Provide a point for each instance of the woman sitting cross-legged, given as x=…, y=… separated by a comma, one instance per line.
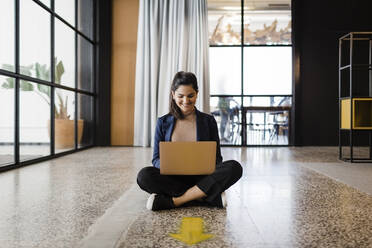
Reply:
x=185, y=123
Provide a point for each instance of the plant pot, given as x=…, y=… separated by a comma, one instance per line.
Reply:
x=64, y=133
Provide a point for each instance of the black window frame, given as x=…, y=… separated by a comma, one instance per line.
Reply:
x=242, y=45
x=18, y=76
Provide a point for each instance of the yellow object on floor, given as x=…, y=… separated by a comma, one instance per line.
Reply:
x=191, y=231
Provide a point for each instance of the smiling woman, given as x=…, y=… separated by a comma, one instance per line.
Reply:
x=184, y=123
x=183, y=95
x=185, y=98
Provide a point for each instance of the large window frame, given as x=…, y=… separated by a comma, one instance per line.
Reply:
x=242, y=96
x=52, y=83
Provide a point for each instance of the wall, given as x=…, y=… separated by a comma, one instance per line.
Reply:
x=317, y=27
x=124, y=41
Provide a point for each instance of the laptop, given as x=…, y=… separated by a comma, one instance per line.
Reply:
x=187, y=158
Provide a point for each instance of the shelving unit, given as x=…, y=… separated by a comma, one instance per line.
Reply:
x=355, y=96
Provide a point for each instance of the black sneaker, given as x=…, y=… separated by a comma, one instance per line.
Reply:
x=159, y=202
x=219, y=201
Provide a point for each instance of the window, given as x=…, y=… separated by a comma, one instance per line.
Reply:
x=34, y=121
x=226, y=77
x=267, y=70
x=47, y=96
x=7, y=121
x=64, y=54
x=251, y=71
x=35, y=47
x=7, y=46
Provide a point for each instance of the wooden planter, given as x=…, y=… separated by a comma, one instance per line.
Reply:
x=64, y=133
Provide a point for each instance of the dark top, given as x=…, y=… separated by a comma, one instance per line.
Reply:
x=206, y=130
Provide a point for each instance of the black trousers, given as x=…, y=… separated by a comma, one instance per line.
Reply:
x=226, y=174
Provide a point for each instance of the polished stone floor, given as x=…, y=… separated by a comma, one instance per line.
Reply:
x=287, y=197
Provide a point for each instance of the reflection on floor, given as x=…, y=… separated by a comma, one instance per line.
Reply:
x=287, y=197
x=27, y=152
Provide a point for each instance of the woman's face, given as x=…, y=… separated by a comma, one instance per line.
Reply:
x=185, y=98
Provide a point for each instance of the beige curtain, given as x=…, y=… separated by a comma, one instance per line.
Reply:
x=172, y=37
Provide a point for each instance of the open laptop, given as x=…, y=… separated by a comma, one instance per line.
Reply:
x=187, y=158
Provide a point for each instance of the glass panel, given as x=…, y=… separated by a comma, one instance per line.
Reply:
x=85, y=121
x=267, y=70
x=267, y=120
x=7, y=30
x=46, y=2
x=361, y=50
x=345, y=52
x=225, y=70
x=7, y=111
x=85, y=62
x=66, y=10
x=34, y=40
x=64, y=120
x=34, y=120
x=267, y=23
x=86, y=17
x=267, y=101
x=224, y=22
x=267, y=127
x=65, y=54
x=226, y=111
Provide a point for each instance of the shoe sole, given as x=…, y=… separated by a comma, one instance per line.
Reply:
x=150, y=201
x=223, y=198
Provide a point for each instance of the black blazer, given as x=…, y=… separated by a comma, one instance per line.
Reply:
x=206, y=130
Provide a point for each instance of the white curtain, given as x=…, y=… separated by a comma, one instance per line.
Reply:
x=172, y=37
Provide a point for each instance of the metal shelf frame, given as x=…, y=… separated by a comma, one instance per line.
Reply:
x=350, y=41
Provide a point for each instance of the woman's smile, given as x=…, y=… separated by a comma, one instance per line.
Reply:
x=185, y=98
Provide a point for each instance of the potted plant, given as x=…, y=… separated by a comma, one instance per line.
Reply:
x=64, y=138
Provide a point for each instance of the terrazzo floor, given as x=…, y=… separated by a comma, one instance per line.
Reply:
x=287, y=197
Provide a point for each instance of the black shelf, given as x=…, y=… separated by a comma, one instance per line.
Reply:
x=355, y=109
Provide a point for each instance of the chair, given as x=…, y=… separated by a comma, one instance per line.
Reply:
x=280, y=125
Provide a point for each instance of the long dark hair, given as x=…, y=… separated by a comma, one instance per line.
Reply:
x=181, y=78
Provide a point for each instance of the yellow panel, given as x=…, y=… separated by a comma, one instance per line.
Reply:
x=345, y=114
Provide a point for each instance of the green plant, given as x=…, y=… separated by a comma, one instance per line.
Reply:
x=42, y=72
